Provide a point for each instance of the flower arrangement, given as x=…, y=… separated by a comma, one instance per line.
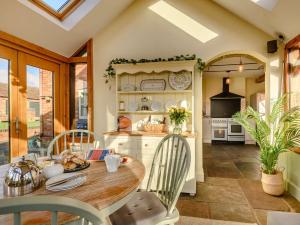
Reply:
x=178, y=115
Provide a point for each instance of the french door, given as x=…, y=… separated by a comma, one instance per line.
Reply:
x=30, y=99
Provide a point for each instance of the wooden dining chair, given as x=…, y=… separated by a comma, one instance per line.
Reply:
x=87, y=214
x=75, y=140
x=168, y=173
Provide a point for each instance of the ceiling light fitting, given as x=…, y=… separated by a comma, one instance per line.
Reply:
x=241, y=66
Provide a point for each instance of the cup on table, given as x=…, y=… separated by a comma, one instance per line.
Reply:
x=112, y=163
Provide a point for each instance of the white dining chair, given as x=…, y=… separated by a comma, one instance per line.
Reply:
x=84, y=213
x=156, y=205
x=75, y=140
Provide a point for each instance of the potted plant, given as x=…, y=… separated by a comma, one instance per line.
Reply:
x=275, y=133
x=178, y=115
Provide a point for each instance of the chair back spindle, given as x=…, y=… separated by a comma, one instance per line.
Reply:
x=62, y=140
x=169, y=169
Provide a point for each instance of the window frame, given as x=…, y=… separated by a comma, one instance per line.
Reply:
x=80, y=99
x=66, y=10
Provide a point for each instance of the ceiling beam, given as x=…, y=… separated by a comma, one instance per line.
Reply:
x=260, y=79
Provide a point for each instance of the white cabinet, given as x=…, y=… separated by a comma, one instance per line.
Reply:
x=143, y=148
x=206, y=129
x=248, y=138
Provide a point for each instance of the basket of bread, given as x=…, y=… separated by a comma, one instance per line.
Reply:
x=73, y=161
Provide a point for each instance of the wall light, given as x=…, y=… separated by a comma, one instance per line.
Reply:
x=182, y=21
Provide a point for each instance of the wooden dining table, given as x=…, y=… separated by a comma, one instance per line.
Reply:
x=106, y=191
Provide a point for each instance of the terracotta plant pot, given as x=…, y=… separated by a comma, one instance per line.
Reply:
x=273, y=183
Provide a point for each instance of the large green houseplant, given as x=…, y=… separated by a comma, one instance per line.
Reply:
x=275, y=133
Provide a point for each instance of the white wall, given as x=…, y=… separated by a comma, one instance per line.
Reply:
x=140, y=33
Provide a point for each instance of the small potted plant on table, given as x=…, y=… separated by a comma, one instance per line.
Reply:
x=275, y=133
x=178, y=115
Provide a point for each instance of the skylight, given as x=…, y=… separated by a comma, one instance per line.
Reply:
x=182, y=21
x=57, y=8
x=57, y=5
x=266, y=4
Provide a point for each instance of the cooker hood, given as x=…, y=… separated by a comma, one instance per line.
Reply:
x=226, y=94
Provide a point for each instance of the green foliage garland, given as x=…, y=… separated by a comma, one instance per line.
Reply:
x=110, y=71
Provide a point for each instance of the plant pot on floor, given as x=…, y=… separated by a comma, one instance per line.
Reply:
x=273, y=184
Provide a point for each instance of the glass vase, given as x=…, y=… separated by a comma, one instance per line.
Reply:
x=177, y=129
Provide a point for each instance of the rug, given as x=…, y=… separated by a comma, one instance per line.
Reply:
x=185, y=220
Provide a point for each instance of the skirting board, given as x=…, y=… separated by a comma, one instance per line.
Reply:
x=200, y=175
x=293, y=189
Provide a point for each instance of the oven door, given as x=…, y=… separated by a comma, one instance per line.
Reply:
x=235, y=129
x=219, y=134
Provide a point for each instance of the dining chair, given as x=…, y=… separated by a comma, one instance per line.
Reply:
x=168, y=173
x=87, y=214
x=81, y=140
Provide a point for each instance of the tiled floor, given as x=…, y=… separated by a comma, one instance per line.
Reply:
x=232, y=189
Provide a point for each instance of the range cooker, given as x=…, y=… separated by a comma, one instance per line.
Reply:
x=226, y=130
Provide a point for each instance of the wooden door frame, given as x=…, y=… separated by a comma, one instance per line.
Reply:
x=12, y=56
x=25, y=59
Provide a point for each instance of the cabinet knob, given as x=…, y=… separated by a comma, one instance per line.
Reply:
x=120, y=144
x=146, y=145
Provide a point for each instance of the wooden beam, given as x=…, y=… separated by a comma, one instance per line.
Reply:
x=260, y=79
x=78, y=59
x=19, y=44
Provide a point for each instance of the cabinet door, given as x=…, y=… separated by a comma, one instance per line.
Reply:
x=146, y=148
x=190, y=184
x=206, y=131
x=123, y=145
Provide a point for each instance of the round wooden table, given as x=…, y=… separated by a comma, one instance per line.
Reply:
x=105, y=191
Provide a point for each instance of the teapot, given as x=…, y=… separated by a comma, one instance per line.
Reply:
x=22, y=177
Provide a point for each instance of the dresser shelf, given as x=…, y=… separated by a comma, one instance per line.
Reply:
x=155, y=92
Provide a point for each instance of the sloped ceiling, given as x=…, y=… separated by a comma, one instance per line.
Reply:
x=19, y=20
x=283, y=18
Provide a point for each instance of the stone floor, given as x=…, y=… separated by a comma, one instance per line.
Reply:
x=232, y=189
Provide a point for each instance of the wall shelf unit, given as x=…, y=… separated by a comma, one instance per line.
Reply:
x=143, y=146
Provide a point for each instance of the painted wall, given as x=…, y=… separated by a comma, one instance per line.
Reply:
x=140, y=33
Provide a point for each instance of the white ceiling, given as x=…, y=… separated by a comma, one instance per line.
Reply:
x=220, y=68
x=283, y=18
x=19, y=20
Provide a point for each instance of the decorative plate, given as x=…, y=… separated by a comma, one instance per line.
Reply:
x=170, y=103
x=78, y=168
x=156, y=106
x=180, y=80
x=123, y=122
x=153, y=85
x=128, y=87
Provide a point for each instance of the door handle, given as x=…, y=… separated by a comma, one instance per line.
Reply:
x=17, y=125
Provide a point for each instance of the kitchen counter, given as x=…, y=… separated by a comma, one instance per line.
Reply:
x=143, y=133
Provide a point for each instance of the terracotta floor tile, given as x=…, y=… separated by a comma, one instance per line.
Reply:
x=193, y=208
x=231, y=212
x=261, y=216
x=260, y=200
x=229, y=182
x=220, y=194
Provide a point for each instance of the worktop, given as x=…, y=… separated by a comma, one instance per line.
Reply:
x=149, y=134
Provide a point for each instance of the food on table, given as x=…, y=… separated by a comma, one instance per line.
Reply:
x=71, y=160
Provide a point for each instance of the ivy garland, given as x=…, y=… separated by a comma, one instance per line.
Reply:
x=110, y=71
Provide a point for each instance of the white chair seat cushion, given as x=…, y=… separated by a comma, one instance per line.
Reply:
x=143, y=209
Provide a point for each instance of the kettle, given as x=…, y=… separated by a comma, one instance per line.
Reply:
x=22, y=177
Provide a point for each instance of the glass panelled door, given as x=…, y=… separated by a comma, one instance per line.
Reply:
x=37, y=116
x=8, y=82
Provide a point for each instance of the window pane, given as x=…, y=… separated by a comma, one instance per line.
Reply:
x=56, y=5
x=39, y=109
x=4, y=111
x=79, y=96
